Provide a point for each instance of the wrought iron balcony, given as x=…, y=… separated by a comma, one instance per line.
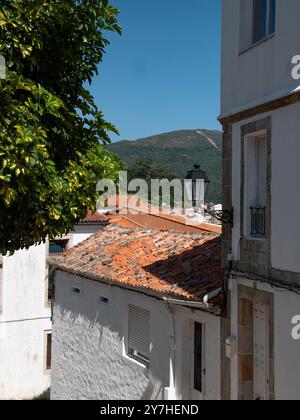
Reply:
x=258, y=221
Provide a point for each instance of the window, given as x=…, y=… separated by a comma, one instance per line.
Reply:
x=198, y=358
x=256, y=184
x=76, y=290
x=260, y=175
x=48, y=351
x=50, y=287
x=139, y=334
x=264, y=19
x=104, y=300
x=58, y=246
x=258, y=209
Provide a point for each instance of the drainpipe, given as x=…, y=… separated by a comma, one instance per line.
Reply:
x=204, y=305
x=170, y=392
x=211, y=295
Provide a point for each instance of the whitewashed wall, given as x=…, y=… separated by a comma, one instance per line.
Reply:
x=89, y=358
x=251, y=77
x=264, y=71
x=83, y=232
x=23, y=321
x=25, y=317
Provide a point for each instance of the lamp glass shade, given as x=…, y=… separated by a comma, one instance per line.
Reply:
x=195, y=177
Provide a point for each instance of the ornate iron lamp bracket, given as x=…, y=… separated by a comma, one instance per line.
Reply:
x=224, y=216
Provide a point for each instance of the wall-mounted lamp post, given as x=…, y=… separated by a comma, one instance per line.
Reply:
x=194, y=179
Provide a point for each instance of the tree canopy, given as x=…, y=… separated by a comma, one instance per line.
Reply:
x=148, y=170
x=52, y=134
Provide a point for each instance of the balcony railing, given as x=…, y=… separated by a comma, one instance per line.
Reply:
x=258, y=221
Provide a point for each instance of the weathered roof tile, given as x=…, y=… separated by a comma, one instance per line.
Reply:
x=183, y=265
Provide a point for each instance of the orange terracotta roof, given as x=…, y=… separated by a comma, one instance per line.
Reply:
x=94, y=217
x=127, y=203
x=190, y=222
x=207, y=227
x=123, y=221
x=180, y=265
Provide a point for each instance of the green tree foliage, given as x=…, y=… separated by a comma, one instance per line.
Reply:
x=52, y=134
x=148, y=170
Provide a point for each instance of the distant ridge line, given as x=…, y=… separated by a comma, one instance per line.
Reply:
x=178, y=151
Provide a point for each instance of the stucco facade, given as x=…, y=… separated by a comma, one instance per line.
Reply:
x=260, y=103
x=257, y=74
x=82, y=232
x=25, y=318
x=90, y=358
x=23, y=321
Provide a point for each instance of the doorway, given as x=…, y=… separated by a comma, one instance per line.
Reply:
x=261, y=351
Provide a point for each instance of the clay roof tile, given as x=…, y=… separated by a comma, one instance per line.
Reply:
x=171, y=263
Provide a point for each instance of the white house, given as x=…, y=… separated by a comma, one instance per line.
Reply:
x=261, y=252
x=136, y=316
x=25, y=315
x=24, y=325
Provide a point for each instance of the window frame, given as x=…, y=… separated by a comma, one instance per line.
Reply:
x=131, y=353
x=251, y=183
x=138, y=357
x=257, y=39
x=194, y=391
x=198, y=327
x=47, y=370
x=49, y=286
x=59, y=242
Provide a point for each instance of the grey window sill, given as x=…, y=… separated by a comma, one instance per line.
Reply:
x=252, y=46
x=256, y=238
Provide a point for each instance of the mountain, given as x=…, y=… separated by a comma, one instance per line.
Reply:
x=179, y=151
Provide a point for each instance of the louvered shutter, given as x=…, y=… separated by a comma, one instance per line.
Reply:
x=49, y=351
x=139, y=331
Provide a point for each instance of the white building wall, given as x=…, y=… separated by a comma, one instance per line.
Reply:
x=251, y=77
x=23, y=321
x=22, y=359
x=83, y=232
x=285, y=189
x=25, y=316
x=89, y=345
x=286, y=349
x=24, y=284
x=261, y=72
x=285, y=250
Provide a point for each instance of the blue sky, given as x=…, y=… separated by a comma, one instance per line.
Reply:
x=163, y=73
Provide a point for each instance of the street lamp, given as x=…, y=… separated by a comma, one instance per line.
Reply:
x=194, y=179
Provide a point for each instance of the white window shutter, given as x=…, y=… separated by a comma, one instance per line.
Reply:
x=261, y=175
x=139, y=331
